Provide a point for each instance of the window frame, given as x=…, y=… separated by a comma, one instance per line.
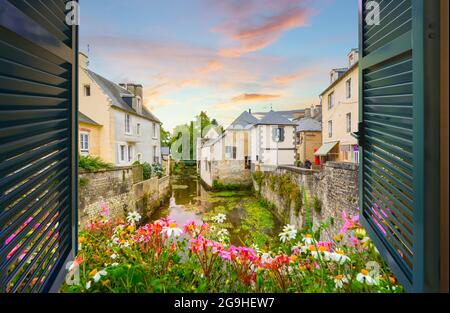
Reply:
x=330, y=129
x=128, y=124
x=348, y=88
x=87, y=90
x=83, y=150
x=348, y=123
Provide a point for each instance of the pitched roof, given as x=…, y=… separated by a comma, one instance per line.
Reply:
x=287, y=114
x=85, y=119
x=274, y=118
x=309, y=124
x=116, y=92
x=244, y=122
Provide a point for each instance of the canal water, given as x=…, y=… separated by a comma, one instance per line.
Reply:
x=249, y=221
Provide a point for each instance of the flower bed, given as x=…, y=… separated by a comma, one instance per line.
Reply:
x=118, y=256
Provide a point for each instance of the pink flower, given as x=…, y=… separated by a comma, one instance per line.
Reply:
x=105, y=209
x=349, y=223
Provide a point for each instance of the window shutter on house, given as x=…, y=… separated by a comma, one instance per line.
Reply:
x=282, y=134
x=398, y=191
x=38, y=145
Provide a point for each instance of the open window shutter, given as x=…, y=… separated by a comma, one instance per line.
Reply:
x=282, y=134
x=38, y=145
x=398, y=165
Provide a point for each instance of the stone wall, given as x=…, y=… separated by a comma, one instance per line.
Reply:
x=119, y=189
x=335, y=188
x=231, y=172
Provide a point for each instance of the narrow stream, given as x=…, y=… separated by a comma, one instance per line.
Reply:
x=248, y=220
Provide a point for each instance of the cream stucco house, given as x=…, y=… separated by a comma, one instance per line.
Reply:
x=340, y=114
x=225, y=158
x=114, y=124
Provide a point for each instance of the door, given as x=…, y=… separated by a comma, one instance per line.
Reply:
x=399, y=136
x=38, y=144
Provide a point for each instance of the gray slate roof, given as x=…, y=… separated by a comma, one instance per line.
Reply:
x=244, y=122
x=85, y=119
x=115, y=92
x=275, y=118
x=309, y=124
x=287, y=114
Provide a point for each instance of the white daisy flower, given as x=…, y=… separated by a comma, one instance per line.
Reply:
x=219, y=218
x=365, y=278
x=308, y=240
x=114, y=256
x=114, y=264
x=133, y=217
x=172, y=230
x=339, y=257
x=340, y=281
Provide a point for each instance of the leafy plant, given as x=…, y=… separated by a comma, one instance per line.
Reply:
x=157, y=170
x=147, y=170
x=83, y=182
x=93, y=164
x=317, y=204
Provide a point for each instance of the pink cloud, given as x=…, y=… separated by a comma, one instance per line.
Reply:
x=253, y=25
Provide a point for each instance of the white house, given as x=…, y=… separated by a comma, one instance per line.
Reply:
x=273, y=142
x=125, y=131
x=248, y=143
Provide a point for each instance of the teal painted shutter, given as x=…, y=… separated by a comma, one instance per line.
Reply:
x=398, y=165
x=38, y=144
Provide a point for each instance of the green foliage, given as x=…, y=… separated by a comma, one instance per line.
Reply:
x=157, y=170
x=165, y=138
x=93, y=164
x=219, y=186
x=147, y=170
x=317, y=204
x=258, y=176
x=299, y=163
x=83, y=182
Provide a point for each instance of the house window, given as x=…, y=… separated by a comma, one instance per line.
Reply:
x=138, y=129
x=231, y=152
x=155, y=157
x=84, y=143
x=348, y=85
x=87, y=90
x=130, y=154
x=278, y=135
x=122, y=153
x=349, y=122
x=154, y=131
x=331, y=100
x=330, y=129
x=127, y=124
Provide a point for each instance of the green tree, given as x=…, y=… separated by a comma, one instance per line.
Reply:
x=165, y=138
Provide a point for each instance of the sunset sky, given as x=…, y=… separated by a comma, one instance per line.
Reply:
x=219, y=56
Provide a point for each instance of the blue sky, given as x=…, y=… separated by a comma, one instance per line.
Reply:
x=219, y=56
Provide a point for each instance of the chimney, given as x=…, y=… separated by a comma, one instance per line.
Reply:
x=308, y=112
x=83, y=60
